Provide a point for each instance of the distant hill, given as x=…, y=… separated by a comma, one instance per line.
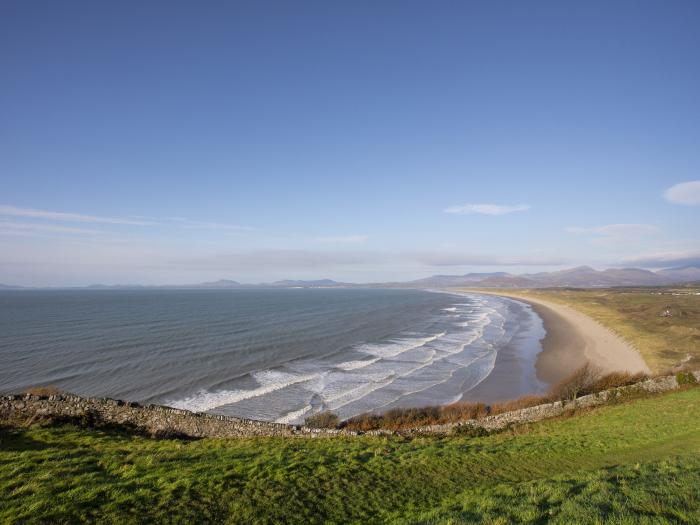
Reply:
x=288, y=283
x=578, y=277
x=10, y=287
x=682, y=274
x=457, y=280
x=221, y=283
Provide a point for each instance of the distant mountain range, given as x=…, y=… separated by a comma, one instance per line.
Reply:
x=221, y=284
x=10, y=287
x=579, y=277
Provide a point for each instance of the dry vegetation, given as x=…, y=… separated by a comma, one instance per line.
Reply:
x=322, y=420
x=48, y=390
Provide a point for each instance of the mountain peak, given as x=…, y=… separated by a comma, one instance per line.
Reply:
x=582, y=268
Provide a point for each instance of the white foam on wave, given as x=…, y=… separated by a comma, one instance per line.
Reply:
x=294, y=415
x=355, y=365
x=358, y=391
x=269, y=381
x=397, y=347
x=452, y=343
x=397, y=367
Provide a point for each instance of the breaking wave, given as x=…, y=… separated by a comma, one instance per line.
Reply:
x=458, y=353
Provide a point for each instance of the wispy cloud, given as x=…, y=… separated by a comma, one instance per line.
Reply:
x=615, y=232
x=431, y=258
x=14, y=211
x=21, y=228
x=486, y=209
x=665, y=259
x=189, y=223
x=687, y=193
x=341, y=239
x=280, y=259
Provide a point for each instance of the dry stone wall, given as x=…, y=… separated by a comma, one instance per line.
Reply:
x=165, y=421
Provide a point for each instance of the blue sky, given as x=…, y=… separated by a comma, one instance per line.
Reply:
x=177, y=142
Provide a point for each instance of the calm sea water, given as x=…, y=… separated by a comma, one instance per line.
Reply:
x=276, y=355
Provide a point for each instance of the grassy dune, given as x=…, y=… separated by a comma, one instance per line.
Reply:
x=628, y=463
x=636, y=314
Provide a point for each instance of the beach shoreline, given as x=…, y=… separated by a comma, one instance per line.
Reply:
x=514, y=374
x=572, y=339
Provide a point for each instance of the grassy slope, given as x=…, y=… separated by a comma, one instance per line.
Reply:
x=629, y=463
x=635, y=315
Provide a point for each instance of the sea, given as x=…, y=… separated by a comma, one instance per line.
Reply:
x=267, y=354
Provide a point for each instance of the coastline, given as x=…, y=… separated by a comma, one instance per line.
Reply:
x=572, y=339
x=514, y=374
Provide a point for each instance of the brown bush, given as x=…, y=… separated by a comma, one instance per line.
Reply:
x=48, y=390
x=409, y=417
x=322, y=420
x=399, y=418
x=577, y=384
x=616, y=379
x=363, y=422
x=462, y=411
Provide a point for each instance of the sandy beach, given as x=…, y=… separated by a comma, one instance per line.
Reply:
x=573, y=338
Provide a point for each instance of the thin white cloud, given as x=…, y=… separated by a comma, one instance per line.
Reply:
x=687, y=193
x=436, y=258
x=21, y=228
x=279, y=259
x=342, y=239
x=486, y=209
x=616, y=230
x=14, y=211
x=665, y=259
x=189, y=223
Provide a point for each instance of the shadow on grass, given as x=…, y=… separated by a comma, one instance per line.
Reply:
x=16, y=440
x=93, y=421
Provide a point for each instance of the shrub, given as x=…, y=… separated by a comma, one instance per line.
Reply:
x=686, y=378
x=48, y=390
x=322, y=420
x=579, y=383
x=398, y=418
x=363, y=422
x=463, y=411
x=616, y=379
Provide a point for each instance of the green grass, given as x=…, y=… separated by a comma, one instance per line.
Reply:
x=635, y=314
x=637, y=462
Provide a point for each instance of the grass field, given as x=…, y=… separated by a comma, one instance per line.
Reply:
x=628, y=463
x=637, y=315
